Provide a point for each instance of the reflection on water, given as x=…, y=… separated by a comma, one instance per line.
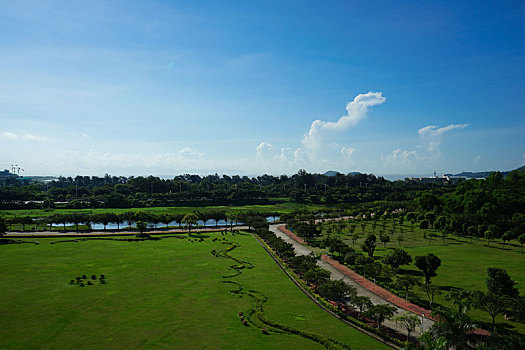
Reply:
x=208, y=223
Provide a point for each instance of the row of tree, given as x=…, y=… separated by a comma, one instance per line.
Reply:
x=129, y=218
x=193, y=190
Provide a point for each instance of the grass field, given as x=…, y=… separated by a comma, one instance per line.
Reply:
x=280, y=208
x=159, y=294
x=463, y=264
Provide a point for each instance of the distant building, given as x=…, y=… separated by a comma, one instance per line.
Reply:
x=5, y=174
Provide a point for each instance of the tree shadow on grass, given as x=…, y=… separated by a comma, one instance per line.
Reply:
x=199, y=236
x=414, y=273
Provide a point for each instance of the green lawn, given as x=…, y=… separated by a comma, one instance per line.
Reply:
x=463, y=264
x=281, y=208
x=159, y=294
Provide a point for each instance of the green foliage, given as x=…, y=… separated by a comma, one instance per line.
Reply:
x=380, y=313
x=369, y=245
x=405, y=283
x=455, y=327
x=396, y=258
x=428, y=265
x=337, y=290
x=409, y=321
x=3, y=226
x=499, y=282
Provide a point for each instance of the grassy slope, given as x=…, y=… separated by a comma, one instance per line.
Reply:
x=159, y=294
x=463, y=264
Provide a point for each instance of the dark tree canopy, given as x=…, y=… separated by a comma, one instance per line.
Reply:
x=428, y=265
x=499, y=282
x=396, y=258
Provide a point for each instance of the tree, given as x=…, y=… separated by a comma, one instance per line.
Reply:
x=190, y=219
x=521, y=239
x=396, y=258
x=384, y=239
x=369, y=245
x=431, y=291
x=491, y=303
x=460, y=297
x=380, y=313
x=25, y=220
x=405, y=283
x=129, y=217
x=428, y=265
x=104, y=219
x=166, y=219
x=489, y=235
x=141, y=226
x=506, y=237
x=362, y=303
x=409, y=321
x=499, y=283
x=337, y=291
x=3, y=226
x=317, y=276
x=355, y=237
x=455, y=327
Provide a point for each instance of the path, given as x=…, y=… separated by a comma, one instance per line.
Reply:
x=336, y=274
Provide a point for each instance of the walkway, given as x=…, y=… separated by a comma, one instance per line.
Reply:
x=336, y=274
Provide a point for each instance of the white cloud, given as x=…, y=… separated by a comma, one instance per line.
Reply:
x=189, y=153
x=25, y=137
x=356, y=111
x=267, y=152
x=431, y=138
x=185, y=158
x=347, y=152
x=431, y=135
x=476, y=158
x=400, y=158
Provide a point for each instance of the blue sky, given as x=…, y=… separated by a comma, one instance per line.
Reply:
x=252, y=87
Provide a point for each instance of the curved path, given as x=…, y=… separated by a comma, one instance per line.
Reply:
x=336, y=274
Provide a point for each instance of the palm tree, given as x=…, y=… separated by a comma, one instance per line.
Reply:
x=453, y=326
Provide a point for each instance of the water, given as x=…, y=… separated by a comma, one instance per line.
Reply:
x=208, y=223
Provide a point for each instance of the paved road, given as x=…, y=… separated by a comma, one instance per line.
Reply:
x=338, y=275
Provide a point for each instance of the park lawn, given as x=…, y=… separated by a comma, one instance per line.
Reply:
x=280, y=208
x=159, y=294
x=463, y=264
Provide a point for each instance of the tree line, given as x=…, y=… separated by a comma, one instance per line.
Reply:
x=194, y=190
